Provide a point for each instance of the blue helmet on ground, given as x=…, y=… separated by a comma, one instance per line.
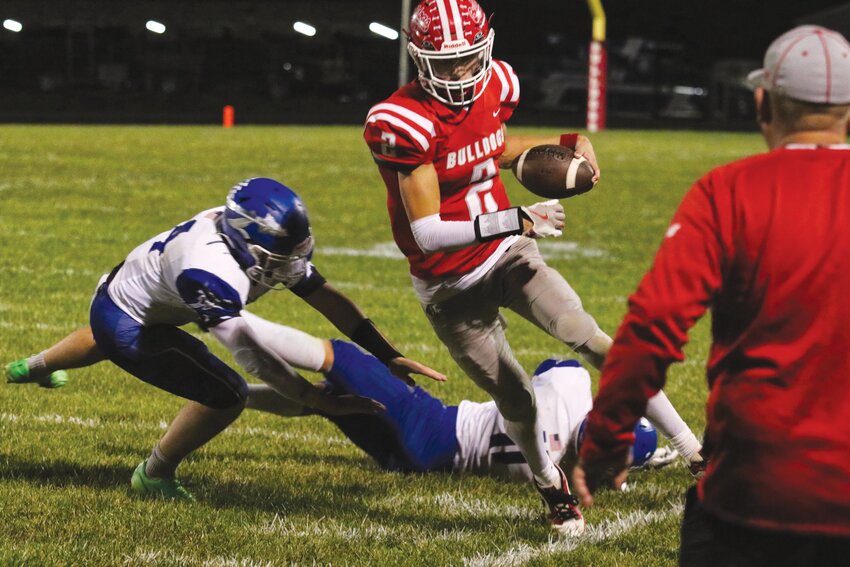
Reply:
x=267, y=227
x=646, y=441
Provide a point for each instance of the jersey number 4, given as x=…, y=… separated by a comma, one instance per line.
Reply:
x=159, y=246
x=479, y=197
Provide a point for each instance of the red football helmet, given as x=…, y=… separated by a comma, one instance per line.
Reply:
x=452, y=45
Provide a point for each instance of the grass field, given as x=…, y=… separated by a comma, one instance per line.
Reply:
x=274, y=491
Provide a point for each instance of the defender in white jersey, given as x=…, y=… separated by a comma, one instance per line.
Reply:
x=206, y=270
x=417, y=432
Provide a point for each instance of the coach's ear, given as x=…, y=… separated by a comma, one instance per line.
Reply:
x=764, y=112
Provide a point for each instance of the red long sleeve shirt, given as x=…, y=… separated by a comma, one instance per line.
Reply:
x=764, y=243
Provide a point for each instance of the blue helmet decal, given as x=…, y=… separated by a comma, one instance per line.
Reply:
x=551, y=363
x=268, y=229
x=646, y=440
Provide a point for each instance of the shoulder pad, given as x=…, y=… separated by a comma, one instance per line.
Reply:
x=212, y=298
x=508, y=82
x=398, y=135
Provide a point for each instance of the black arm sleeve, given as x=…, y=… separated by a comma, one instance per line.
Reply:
x=312, y=281
x=369, y=337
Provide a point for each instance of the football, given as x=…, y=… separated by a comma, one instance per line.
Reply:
x=553, y=172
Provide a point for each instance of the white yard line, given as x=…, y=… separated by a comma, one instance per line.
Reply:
x=459, y=506
x=381, y=250
x=158, y=557
x=52, y=418
x=71, y=272
x=162, y=424
x=555, y=250
x=38, y=326
x=567, y=250
x=605, y=530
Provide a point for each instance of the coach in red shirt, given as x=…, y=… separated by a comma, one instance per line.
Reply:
x=764, y=243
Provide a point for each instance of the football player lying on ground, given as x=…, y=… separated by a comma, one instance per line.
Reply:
x=206, y=270
x=418, y=432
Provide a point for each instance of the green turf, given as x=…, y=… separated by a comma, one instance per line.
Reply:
x=273, y=491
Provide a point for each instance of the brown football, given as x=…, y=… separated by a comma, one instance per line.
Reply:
x=553, y=172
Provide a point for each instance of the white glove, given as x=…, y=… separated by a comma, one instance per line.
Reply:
x=548, y=218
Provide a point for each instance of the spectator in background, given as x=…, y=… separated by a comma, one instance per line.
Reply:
x=765, y=243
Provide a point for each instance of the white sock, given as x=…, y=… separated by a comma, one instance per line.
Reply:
x=37, y=367
x=159, y=466
x=528, y=438
x=688, y=445
x=667, y=420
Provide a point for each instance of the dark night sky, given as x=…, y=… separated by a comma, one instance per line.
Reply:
x=709, y=29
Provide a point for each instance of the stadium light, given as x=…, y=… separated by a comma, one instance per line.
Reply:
x=689, y=91
x=13, y=25
x=305, y=29
x=383, y=30
x=155, y=27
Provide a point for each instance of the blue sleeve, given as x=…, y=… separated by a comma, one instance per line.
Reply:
x=212, y=298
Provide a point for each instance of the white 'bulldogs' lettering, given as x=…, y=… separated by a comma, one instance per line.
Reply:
x=479, y=149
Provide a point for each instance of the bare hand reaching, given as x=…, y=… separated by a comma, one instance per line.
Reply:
x=403, y=367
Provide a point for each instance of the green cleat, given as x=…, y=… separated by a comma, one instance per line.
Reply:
x=161, y=488
x=18, y=372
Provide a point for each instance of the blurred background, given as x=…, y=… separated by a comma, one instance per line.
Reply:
x=671, y=63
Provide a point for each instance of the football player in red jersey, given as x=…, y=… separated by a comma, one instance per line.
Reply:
x=439, y=143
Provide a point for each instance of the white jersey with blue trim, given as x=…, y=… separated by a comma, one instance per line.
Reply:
x=564, y=398
x=146, y=286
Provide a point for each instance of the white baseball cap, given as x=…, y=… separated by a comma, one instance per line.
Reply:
x=808, y=63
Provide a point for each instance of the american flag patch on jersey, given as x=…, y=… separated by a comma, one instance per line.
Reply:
x=555, y=443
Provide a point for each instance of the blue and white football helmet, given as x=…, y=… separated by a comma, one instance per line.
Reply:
x=646, y=441
x=267, y=227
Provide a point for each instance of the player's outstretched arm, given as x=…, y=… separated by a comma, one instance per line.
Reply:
x=348, y=318
x=248, y=350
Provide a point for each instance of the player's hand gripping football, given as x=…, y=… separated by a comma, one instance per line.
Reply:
x=546, y=219
x=402, y=368
x=585, y=149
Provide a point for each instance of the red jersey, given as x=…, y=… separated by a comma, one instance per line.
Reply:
x=765, y=243
x=412, y=128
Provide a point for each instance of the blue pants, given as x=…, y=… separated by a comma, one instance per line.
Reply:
x=415, y=434
x=164, y=356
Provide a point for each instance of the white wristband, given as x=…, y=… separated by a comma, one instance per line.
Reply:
x=490, y=226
